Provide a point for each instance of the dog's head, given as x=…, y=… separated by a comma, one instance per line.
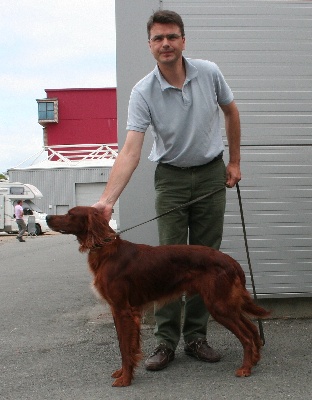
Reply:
x=87, y=223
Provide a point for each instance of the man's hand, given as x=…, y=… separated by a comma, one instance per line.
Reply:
x=233, y=174
x=105, y=208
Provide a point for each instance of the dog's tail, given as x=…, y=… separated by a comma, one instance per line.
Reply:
x=252, y=309
x=249, y=306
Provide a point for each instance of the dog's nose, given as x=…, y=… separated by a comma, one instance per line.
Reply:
x=48, y=217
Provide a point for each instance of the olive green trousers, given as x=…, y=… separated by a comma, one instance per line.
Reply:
x=200, y=223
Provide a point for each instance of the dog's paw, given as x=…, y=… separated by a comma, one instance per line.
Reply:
x=121, y=382
x=117, y=373
x=243, y=371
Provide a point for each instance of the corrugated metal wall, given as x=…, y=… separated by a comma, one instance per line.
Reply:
x=264, y=49
x=58, y=185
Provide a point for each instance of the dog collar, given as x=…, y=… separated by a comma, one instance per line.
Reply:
x=99, y=246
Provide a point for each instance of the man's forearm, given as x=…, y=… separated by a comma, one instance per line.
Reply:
x=119, y=177
x=233, y=132
x=234, y=136
x=123, y=168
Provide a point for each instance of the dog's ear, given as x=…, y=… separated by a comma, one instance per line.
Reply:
x=98, y=230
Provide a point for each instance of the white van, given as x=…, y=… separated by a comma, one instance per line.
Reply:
x=10, y=193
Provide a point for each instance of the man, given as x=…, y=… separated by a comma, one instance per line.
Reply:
x=19, y=216
x=180, y=100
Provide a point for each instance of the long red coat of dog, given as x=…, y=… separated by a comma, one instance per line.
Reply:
x=129, y=276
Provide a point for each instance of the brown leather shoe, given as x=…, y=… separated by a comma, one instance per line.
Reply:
x=160, y=358
x=200, y=349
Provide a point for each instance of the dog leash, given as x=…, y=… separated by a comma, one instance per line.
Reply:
x=248, y=259
x=173, y=209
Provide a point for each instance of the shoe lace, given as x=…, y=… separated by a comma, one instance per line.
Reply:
x=198, y=343
x=161, y=348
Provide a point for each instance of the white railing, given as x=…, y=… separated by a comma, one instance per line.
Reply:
x=71, y=155
x=82, y=152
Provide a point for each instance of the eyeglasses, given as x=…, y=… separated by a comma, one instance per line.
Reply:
x=159, y=38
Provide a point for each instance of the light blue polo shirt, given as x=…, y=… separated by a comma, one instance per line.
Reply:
x=185, y=123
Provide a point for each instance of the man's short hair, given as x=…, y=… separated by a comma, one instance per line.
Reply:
x=165, y=17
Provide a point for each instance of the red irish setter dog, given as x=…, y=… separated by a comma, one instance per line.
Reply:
x=129, y=276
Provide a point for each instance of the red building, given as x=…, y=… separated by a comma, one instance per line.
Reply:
x=78, y=116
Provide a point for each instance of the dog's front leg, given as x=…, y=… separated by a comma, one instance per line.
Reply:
x=127, y=323
x=118, y=372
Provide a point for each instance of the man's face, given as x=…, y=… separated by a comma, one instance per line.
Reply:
x=166, y=43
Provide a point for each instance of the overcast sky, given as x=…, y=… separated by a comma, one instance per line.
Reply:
x=48, y=45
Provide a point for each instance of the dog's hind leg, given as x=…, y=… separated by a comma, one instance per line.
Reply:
x=228, y=314
x=238, y=328
x=257, y=342
x=127, y=323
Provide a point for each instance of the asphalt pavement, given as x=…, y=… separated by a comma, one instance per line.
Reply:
x=58, y=342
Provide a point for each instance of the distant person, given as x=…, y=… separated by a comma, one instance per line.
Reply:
x=19, y=216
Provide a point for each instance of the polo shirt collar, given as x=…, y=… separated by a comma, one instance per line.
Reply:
x=191, y=73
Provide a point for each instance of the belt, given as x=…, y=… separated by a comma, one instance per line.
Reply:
x=218, y=157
